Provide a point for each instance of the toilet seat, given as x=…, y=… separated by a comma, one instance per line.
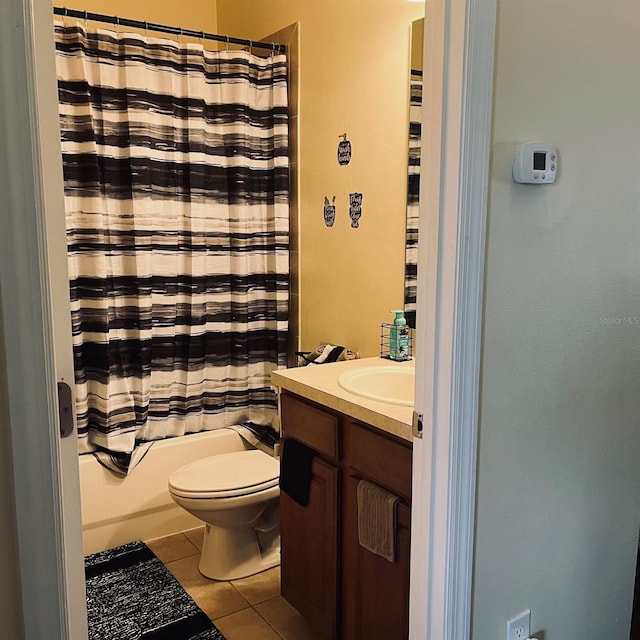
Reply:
x=226, y=475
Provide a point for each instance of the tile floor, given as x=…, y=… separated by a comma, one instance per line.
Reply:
x=245, y=609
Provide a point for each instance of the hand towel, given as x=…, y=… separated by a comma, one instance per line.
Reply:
x=377, y=519
x=295, y=470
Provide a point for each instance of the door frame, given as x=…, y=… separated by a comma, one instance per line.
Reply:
x=459, y=52
x=459, y=56
x=36, y=329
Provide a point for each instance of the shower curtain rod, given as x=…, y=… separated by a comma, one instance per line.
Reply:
x=151, y=26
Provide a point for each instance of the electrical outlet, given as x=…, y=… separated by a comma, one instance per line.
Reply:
x=518, y=627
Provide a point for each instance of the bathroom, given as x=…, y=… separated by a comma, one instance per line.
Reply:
x=560, y=537
x=330, y=96
x=335, y=88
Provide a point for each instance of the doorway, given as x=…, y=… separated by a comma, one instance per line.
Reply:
x=431, y=595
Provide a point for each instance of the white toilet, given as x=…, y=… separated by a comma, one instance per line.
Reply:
x=236, y=495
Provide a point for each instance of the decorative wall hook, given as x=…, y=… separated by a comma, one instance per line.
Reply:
x=344, y=150
x=329, y=211
x=355, y=209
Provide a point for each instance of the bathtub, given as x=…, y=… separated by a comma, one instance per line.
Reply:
x=116, y=510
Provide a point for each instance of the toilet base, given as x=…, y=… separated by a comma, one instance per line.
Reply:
x=229, y=554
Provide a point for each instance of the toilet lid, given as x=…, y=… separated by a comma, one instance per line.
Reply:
x=226, y=475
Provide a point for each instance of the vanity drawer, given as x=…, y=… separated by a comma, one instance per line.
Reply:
x=305, y=423
x=379, y=457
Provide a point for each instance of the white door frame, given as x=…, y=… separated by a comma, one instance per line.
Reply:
x=458, y=96
x=459, y=54
x=36, y=327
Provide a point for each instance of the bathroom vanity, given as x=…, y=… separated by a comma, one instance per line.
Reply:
x=342, y=588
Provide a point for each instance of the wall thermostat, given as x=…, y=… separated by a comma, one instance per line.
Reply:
x=535, y=163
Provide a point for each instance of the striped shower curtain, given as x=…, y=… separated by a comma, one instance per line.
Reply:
x=413, y=196
x=176, y=189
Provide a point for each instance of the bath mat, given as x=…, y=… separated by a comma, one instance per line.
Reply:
x=131, y=595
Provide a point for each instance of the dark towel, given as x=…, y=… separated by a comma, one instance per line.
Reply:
x=295, y=470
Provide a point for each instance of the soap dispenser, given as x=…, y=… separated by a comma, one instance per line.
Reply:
x=399, y=337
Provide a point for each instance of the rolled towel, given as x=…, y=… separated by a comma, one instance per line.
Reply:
x=377, y=519
x=295, y=470
x=327, y=353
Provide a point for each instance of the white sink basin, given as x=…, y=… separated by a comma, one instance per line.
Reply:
x=390, y=384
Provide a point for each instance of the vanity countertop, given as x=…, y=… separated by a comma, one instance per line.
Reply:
x=319, y=383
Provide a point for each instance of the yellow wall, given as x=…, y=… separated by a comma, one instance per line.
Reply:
x=354, y=66
x=199, y=15
x=417, y=39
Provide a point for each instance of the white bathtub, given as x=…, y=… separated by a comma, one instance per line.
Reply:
x=117, y=509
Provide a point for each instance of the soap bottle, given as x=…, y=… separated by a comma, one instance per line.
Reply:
x=399, y=337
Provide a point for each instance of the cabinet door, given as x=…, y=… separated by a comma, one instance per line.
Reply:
x=310, y=550
x=375, y=591
x=310, y=425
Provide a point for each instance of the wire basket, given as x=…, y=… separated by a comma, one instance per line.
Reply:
x=387, y=349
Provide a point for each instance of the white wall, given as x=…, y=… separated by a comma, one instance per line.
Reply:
x=10, y=44
x=10, y=604
x=559, y=463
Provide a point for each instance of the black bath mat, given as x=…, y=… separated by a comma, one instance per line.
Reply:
x=131, y=595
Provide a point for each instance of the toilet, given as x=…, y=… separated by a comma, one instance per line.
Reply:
x=236, y=495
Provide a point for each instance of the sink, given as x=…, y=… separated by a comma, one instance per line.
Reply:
x=390, y=384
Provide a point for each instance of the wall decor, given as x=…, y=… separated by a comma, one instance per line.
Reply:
x=344, y=150
x=355, y=209
x=329, y=211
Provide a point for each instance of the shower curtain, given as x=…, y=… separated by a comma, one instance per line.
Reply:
x=176, y=190
x=413, y=197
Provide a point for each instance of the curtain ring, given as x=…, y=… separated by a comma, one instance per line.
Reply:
x=250, y=45
x=227, y=40
x=202, y=39
x=146, y=29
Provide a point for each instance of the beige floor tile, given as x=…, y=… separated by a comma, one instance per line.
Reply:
x=245, y=625
x=174, y=547
x=216, y=599
x=260, y=587
x=195, y=536
x=289, y=624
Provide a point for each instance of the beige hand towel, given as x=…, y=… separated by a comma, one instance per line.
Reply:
x=377, y=519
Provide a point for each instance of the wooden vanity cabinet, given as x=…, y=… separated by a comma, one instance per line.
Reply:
x=309, y=535
x=375, y=592
x=344, y=591
x=309, y=550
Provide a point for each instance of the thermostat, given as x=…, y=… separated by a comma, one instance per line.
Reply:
x=535, y=163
